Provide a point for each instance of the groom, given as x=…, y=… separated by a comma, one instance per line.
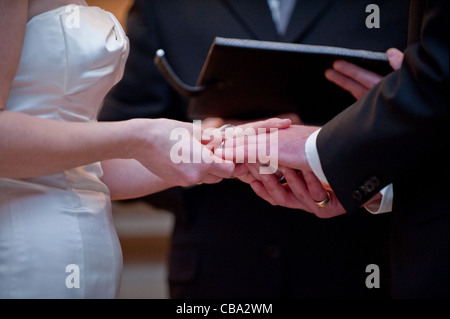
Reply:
x=395, y=131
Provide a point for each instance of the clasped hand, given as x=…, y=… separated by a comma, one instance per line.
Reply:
x=182, y=154
x=282, y=176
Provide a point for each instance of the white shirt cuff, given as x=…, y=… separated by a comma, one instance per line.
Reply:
x=312, y=156
x=385, y=206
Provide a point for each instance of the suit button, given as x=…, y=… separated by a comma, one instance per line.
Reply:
x=372, y=184
x=273, y=251
x=357, y=195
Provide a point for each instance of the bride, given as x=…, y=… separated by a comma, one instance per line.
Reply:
x=59, y=167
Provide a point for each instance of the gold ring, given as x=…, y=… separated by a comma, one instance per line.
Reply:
x=324, y=203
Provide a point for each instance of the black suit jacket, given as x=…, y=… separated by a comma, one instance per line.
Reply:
x=397, y=135
x=228, y=242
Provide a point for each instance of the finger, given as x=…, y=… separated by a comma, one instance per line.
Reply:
x=282, y=194
x=365, y=77
x=242, y=140
x=243, y=174
x=254, y=170
x=212, y=122
x=297, y=185
x=247, y=148
x=354, y=88
x=280, y=177
x=252, y=141
x=211, y=179
x=241, y=169
x=211, y=137
x=239, y=154
x=315, y=187
x=221, y=168
x=395, y=57
x=239, y=136
x=276, y=191
x=268, y=124
x=295, y=118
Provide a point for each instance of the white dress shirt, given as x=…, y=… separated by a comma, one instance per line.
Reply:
x=281, y=13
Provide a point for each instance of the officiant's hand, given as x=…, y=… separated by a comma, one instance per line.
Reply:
x=357, y=80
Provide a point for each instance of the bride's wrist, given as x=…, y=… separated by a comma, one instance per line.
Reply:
x=136, y=137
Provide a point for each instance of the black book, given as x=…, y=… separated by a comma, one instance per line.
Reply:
x=249, y=79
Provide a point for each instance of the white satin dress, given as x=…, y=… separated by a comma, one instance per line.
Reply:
x=57, y=237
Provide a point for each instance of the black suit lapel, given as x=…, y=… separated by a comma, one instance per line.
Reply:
x=255, y=16
x=305, y=14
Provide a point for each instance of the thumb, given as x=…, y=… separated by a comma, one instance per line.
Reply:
x=395, y=57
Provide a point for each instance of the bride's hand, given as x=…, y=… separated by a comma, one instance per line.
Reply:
x=169, y=150
x=233, y=131
x=176, y=151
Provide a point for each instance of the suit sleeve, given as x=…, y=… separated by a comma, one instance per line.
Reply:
x=399, y=125
x=142, y=92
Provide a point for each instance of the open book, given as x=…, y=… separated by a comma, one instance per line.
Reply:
x=249, y=79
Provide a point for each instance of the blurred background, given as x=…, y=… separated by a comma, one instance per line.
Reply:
x=144, y=231
x=118, y=7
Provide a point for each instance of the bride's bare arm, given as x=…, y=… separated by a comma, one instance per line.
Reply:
x=135, y=154
x=13, y=18
x=130, y=179
x=32, y=146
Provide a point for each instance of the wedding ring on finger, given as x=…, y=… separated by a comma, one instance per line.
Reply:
x=222, y=130
x=324, y=202
x=224, y=127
